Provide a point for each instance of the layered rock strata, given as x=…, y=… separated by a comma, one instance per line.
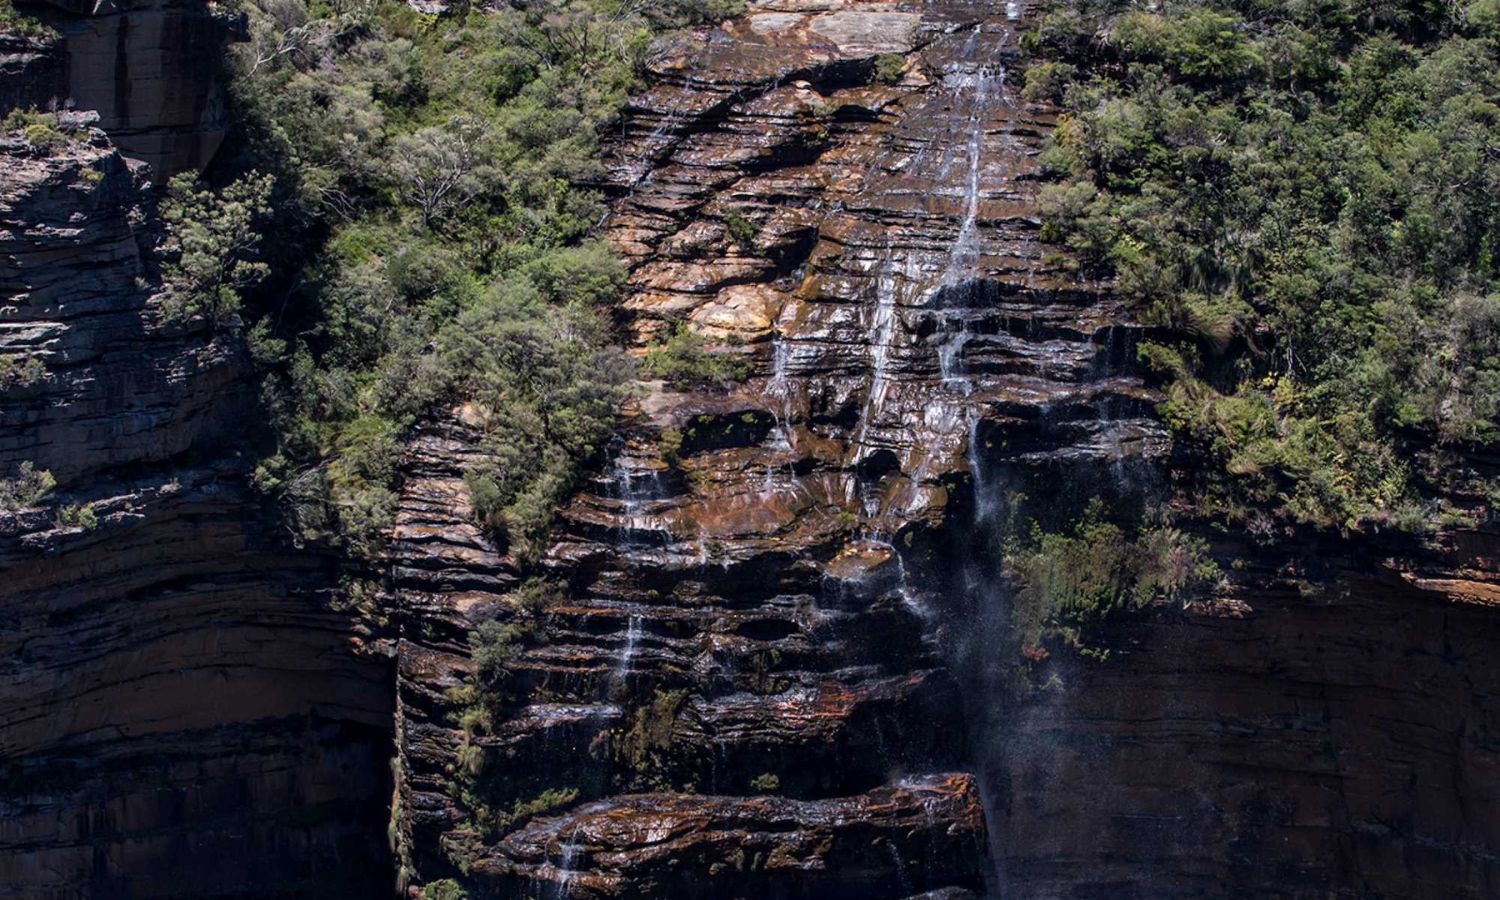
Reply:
x=181, y=714
x=845, y=197
x=1329, y=732
x=782, y=599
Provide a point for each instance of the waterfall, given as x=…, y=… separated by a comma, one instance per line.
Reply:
x=903, y=588
x=632, y=638
x=643, y=167
x=982, y=85
x=567, y=864
x=901, y=870
x=950, y=358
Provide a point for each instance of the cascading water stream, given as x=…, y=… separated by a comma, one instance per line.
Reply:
x=632, y=640
x=567, y=865
x=659, y=139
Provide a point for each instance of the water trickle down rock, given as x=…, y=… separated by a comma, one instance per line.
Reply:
x=762, y=561
x=915, y=354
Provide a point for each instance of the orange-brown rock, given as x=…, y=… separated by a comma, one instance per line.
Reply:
x=917, y=834
x=792, y=585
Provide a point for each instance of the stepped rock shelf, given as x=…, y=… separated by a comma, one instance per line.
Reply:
x=781, y=666
x=742, y=575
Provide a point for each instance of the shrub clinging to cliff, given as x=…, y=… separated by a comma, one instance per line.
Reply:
x=1068, y=580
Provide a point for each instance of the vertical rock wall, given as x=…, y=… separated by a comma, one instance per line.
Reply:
x=181, y=713
x=150, y=69
x=784, y=623
x=745, y=685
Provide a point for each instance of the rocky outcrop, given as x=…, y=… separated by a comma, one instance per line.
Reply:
x=148, y=68
x=181, y=712
x=671, y=846
x=783, y=603
x=739, y=615
x=120, y=390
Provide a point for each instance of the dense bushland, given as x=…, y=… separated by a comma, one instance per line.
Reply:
x=1307, y=195
x=404, y=223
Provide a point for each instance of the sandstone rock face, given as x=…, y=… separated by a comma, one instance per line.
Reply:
x=779, y=662
x=149, y=68
x=782, y=607
x=180, y=712
x=1343, y=743
x=745, y=683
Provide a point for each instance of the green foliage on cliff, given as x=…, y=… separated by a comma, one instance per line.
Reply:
x=888, y=68
x=645, y=747
x=1078, y=577
x=212, y=257
x=26, y=488
x=76, y=515
x=432, y=245
x=444, y=889
x=18, y=371
x=1308, y=196
x=685, y=360
x=13, y=21
x=46, y=133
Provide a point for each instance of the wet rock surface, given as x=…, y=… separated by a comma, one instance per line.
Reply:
x=777, y=664
x=782, y=601
x=739, y=618
x=649, y=845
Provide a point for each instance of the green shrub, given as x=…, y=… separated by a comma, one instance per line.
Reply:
x=646, y=744
x=685, y=360
x=550, y=397
x=547, y=801
x=740, y=229
x=43, y=131
x=1071, y=579
x=492, y=644
x=26, y=488
x=77, y=515
x=13, y=21
x=212, y=245
x=888, y=68
x=765, y=783
x=445, y=889
x=536, y=596
x=21, y=371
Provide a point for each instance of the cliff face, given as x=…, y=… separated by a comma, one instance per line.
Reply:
x=180, y=712
x=1335, y=743
x=781, y=661
x=783, y=625
x=148, y=68
x=746, y=684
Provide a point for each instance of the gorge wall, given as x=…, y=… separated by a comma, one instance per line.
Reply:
x=783, y=632
x=781, y=663
x=150, y=69
x=181, y=713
